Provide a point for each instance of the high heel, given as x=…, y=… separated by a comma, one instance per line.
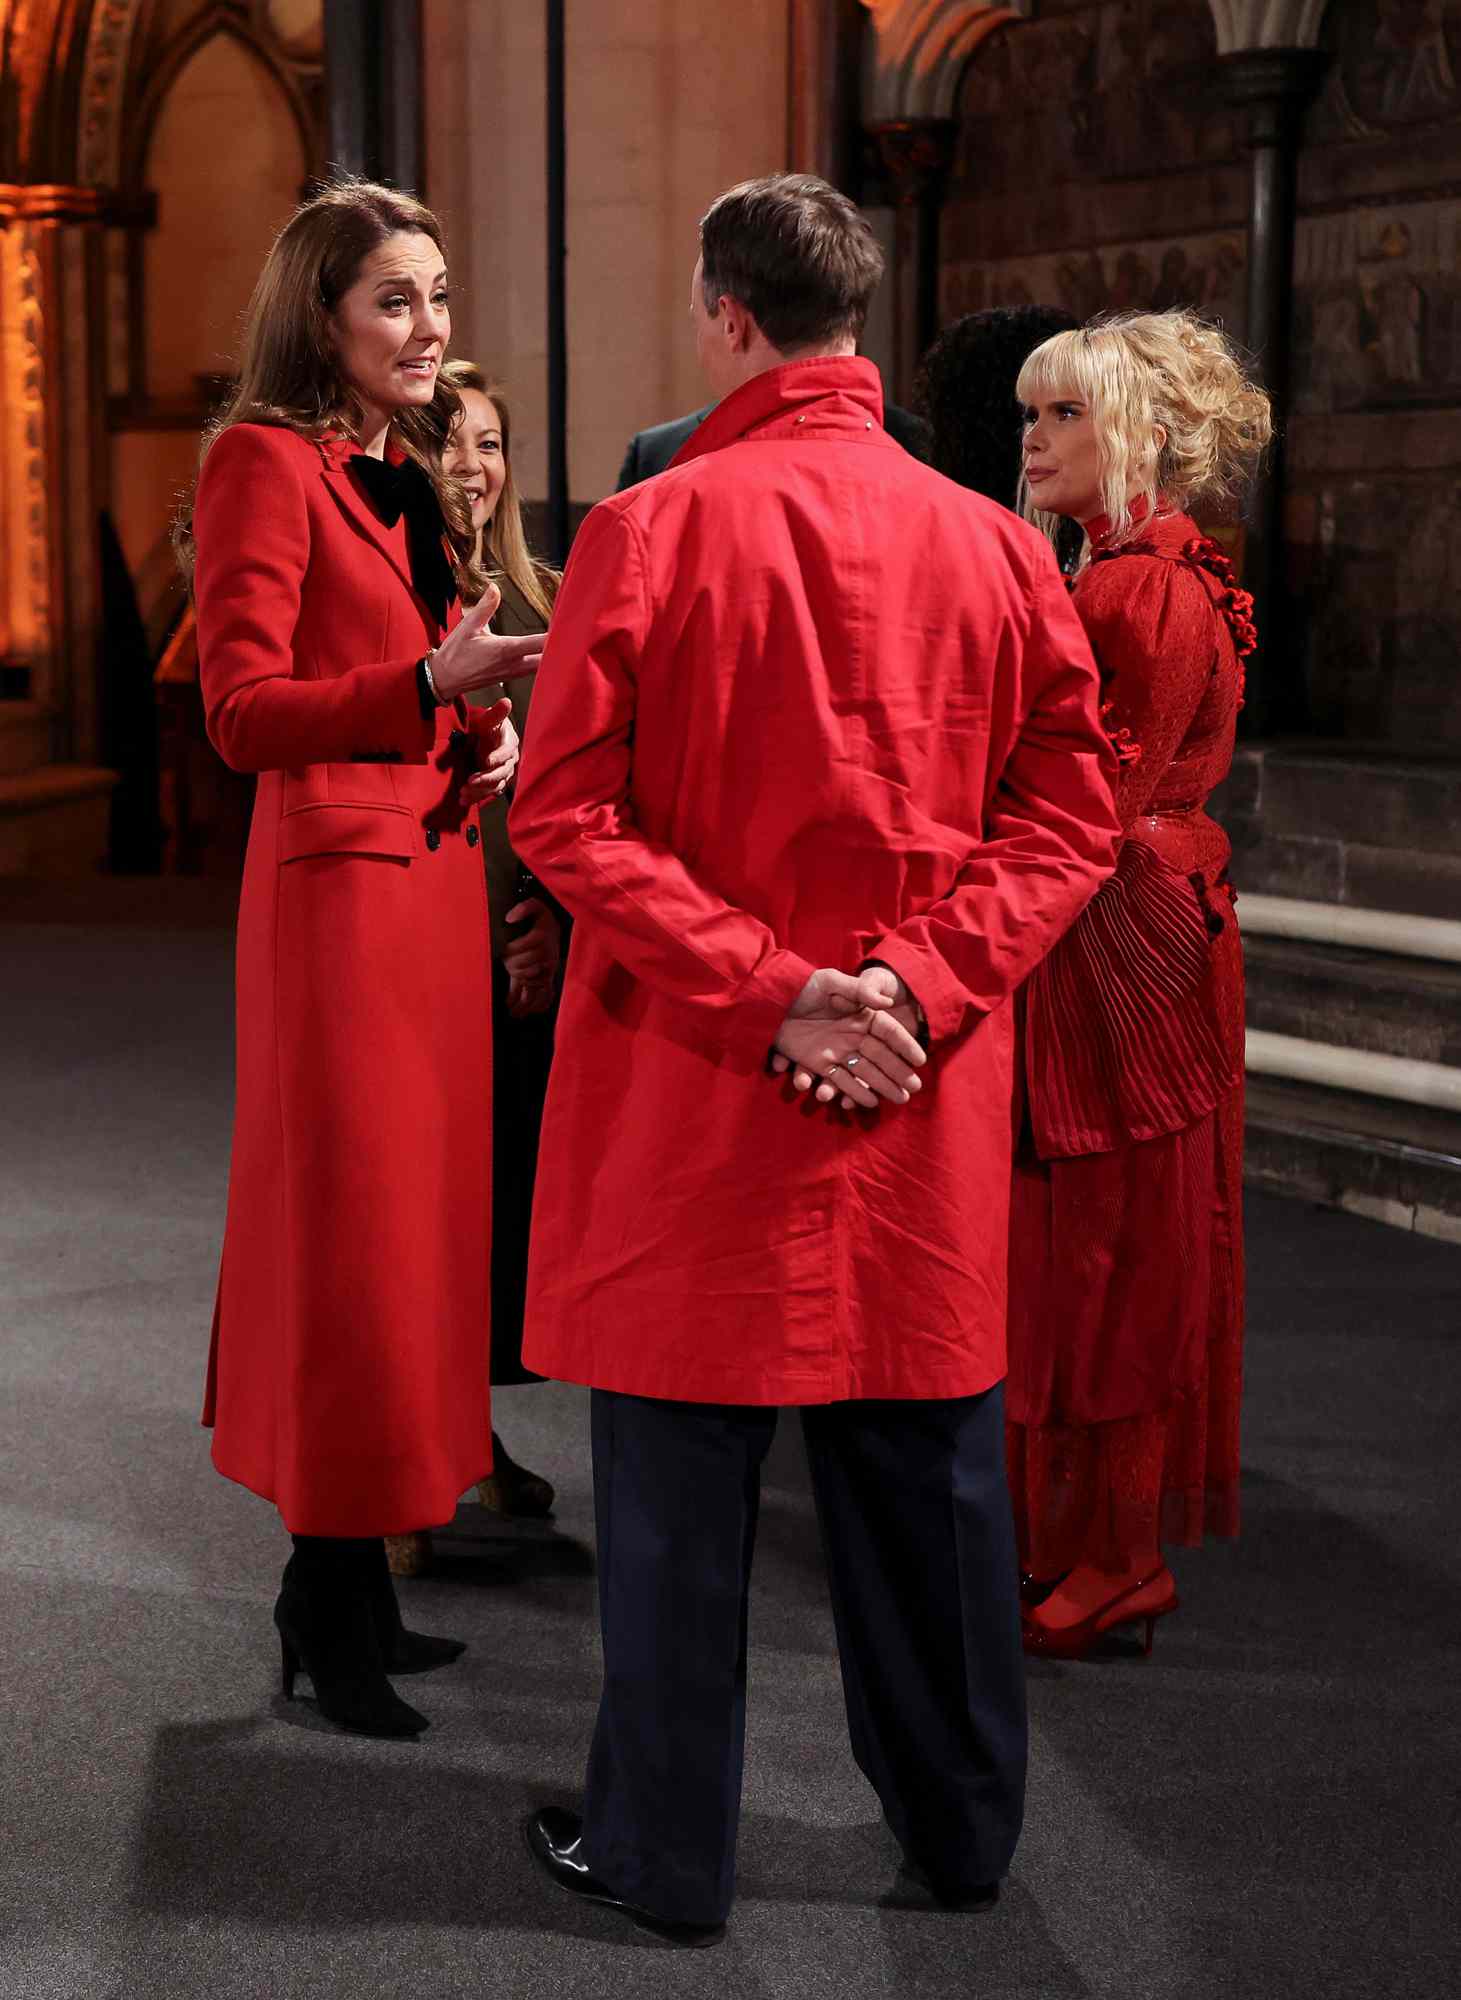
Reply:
x=1035, y=1589
x=327, y=1630
x=1141, y=1603
x=403, y=1652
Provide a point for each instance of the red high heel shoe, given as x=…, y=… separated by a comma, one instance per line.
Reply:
x=1143, y=1603
x=1035, y=1589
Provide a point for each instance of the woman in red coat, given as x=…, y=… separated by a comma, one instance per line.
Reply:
x=1126, y=1222
x=348, y=1375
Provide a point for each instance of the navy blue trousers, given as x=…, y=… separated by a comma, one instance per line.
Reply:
x=919, y=1544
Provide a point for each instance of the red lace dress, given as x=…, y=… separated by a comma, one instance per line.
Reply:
x=1126, y=1258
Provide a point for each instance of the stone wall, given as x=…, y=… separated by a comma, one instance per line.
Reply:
x=669, y=102
x=1375, y=472
x=1100, y=168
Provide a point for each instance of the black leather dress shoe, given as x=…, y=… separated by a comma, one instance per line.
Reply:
x=555, y=1838
x=972, y=1900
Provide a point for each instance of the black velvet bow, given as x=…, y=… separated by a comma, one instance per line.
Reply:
x=394, y=490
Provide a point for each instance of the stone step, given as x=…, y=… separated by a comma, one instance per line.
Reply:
x=1346, y=824
x=1383, y=1002
x=25, y=736
x=54, y=821
x=1397, y=1163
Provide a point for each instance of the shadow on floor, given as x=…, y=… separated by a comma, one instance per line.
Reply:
x=247, y=1822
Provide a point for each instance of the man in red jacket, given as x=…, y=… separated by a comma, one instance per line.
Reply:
x=805, y=706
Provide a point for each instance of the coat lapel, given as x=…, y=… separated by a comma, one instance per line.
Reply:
x=354, y=504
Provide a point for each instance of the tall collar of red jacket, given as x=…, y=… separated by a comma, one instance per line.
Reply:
x=847, y=393
x=1099, y=530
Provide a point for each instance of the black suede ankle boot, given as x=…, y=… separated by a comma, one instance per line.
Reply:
x=327, y=1627
x=403, y=1652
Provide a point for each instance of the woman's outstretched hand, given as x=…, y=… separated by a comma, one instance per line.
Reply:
x=472, y=655
x=836, y=1038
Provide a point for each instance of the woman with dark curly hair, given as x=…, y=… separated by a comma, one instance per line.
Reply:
x=966, y=392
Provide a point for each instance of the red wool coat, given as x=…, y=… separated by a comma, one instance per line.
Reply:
x=348, y=1378
x=804, y=702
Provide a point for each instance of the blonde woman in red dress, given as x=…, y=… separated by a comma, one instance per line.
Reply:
x=1126, y=1303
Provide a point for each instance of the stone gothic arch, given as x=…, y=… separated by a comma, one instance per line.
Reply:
x=917, y=52
x=80, y=84
x=103, y=90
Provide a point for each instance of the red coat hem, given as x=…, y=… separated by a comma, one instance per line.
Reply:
x=789, y=1391
x=322, y=1521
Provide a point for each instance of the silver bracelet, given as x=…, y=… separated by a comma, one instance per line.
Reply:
x=441, y=700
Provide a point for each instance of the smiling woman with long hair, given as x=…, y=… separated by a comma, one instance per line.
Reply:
x=527, y=927
x=348, y=1377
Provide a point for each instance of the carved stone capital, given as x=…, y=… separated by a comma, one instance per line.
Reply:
x=1274, y=87
x=40, y=203
x=1267, y=24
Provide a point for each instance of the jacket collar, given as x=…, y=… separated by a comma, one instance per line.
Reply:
x=1143, y=516
x=846, y=390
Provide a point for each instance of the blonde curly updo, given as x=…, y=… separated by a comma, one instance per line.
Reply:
x=1178, y=419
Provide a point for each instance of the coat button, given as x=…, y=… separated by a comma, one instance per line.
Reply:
x=472, y=836
x=433, y=840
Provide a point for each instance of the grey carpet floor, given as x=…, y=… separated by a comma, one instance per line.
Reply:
x=1268, y=1806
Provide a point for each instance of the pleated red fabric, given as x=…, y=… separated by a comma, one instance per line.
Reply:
x=1122, y=1037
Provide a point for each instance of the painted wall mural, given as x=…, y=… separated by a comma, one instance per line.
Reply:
x=1378, y=308
x=1147, y=276
x=1375, y=489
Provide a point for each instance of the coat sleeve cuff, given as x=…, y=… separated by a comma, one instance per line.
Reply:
x=765, y=999
x=946, y=1004
x=416, y=724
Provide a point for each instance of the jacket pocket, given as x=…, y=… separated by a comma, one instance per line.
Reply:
x=336, y=826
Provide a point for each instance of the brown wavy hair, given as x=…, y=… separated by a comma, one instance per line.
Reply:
x=289, y=374
x=505, y=550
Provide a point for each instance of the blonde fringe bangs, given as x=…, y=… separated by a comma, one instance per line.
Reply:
x=1145, y=374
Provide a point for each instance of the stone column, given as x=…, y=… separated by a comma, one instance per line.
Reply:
x=915, y=53
x=373, y=81
x=917, y=154
x=52, y=466
x=52, y=485
x=825, y=51
x=1271, y=71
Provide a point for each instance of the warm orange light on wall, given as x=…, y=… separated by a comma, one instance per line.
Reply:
x=923, y=47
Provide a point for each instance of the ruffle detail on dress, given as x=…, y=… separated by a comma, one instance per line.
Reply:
x=1233, y=604
x=1122, y=1040
x=1128, y=750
